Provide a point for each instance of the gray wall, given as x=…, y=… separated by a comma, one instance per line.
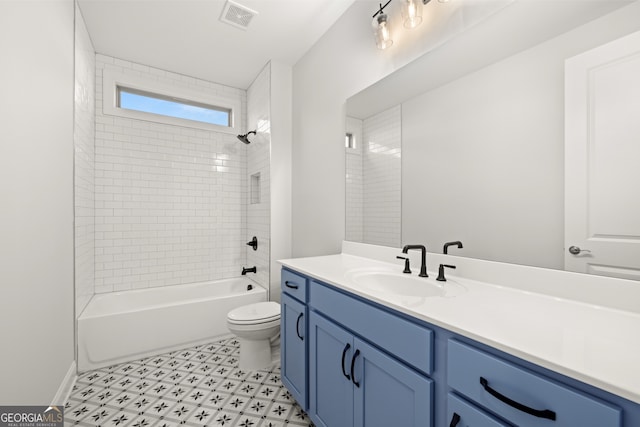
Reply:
x=36, y=193
x=343, y=62
x=483, y=156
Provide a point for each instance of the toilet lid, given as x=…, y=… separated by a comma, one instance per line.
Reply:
x=259, y=312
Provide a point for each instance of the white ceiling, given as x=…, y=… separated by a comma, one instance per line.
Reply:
x=187, y=37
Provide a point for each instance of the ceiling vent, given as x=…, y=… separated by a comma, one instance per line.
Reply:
x=237, y=15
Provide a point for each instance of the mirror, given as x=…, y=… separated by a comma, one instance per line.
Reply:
x=477, y=140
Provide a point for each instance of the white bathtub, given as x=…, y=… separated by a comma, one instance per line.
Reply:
x=123, y=326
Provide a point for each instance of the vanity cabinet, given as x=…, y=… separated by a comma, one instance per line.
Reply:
x=353, y=382
x=350, y=361
x=519, y=396
x=293, y=335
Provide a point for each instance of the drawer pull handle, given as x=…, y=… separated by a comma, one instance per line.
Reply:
x=298, y=326
x=353, y=362
x=344, y=354
x=544, y=413
x=454, y=420
x=290, y=285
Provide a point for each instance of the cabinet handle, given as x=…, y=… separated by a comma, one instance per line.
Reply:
x=454, y=420
x=540, y=413
x=298, y=326
x=290, y=285
x=344, y=354
x=353, y=374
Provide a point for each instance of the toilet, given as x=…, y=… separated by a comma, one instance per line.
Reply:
x=256, y=326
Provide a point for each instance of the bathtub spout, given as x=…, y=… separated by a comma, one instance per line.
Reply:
x=246, y=270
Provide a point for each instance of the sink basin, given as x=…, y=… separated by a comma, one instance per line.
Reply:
x=394, y=283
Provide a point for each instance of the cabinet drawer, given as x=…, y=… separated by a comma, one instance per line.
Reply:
x=520, y=396
x=294, y=284
x=463, y=414
x=407, y=341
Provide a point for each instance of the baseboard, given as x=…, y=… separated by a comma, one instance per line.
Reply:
x=62, y=395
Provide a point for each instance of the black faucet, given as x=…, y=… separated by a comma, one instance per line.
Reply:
x=423, y=266
x=446, y=246
x=246, y=270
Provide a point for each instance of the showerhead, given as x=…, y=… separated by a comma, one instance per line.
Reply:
x=245, y=138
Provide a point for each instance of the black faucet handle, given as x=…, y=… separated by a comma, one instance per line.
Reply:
x=407, y=269
x=441, y=277
x=253, y=243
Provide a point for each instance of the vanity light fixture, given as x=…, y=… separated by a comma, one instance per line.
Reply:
x=381, y=28
x=411, y=11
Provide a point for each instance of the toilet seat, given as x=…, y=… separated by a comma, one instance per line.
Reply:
x=255, y=314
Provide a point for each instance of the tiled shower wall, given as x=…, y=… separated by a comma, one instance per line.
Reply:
x=373, y=179
x=354, y=182
x=170, y=201
x=382, y=178
x=84, y=171
x=258, y=173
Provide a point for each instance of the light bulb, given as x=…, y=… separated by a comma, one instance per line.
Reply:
x=411, y=13
x=382, y=31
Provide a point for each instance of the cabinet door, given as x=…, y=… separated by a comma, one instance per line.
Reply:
x=387, y=393
x=293, y=354
x=330, y=387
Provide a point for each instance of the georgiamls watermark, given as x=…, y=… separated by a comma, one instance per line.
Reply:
x=31, y=416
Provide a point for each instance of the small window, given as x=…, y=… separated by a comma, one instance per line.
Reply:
x=349, y=141
x=142, y=98
x=147, y=102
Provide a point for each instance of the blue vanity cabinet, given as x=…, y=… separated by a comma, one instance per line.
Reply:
x=293, y=353
x=522, y=397
x=349, y=361
x=330, y=386
x=352, y=383
x=367, y=366
x=293, y=336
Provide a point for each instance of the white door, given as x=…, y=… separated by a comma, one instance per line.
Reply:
x=602, y=160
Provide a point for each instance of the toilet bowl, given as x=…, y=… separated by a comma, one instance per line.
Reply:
x=255, y=325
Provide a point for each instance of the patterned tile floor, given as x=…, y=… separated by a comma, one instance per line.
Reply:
x=198, y=386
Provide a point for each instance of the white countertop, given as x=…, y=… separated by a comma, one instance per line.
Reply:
x=596, y=344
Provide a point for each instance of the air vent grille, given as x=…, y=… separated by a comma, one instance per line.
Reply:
x=237, y=15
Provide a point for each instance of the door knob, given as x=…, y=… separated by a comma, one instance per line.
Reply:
x=575, y=250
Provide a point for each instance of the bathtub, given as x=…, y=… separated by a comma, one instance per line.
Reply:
x=123, y=326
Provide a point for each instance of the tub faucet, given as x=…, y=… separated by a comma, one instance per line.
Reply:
x=423, y=266
x=246, y=270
